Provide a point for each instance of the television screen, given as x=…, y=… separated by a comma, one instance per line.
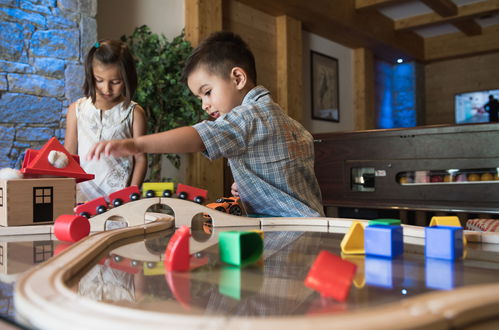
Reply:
x=469, y=107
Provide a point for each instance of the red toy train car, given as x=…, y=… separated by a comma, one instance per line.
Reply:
x=100, y=204
x=194, y=194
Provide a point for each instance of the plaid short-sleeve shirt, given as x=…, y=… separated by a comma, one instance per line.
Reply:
x=270, y=154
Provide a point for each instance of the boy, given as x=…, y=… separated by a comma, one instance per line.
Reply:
x=271, y=155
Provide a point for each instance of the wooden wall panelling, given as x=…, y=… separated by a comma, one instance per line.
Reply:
x=289, y=66
x=203, y=17
x=258, y=29
x=444, y=79
x=365, y=116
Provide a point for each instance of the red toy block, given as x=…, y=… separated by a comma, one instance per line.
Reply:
x=331, y=276
x=177, y=257
x=194, y=194
x=71, y=228
x=36, y=163
x=91, y=208
x=123, y=196
x=180, y=286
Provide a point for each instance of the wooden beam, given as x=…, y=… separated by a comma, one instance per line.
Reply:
x=339, y=21
x=459, y=45
x=289, y=66
x=469, y=27
x=464, y=12
x=367, y=4
x=203, y=17
x=364, y=112
x=442, y=7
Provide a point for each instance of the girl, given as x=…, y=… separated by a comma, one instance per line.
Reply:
x=107, y=112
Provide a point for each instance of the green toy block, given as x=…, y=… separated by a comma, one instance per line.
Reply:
x=385, y=222
x=240, y=248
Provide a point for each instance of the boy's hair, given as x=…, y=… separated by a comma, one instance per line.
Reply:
x=111, y=52
x=219, y=53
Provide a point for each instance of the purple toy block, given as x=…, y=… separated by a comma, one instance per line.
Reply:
x=384, y=241
x=444, y=242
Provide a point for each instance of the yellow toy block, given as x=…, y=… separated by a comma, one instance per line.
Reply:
x=359, y=281
x=353, y=241
x=450, y=221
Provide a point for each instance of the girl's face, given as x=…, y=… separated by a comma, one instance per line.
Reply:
x=108, y=83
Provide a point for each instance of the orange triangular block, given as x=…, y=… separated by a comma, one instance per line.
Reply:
x=36, y=162
x=450, y=221
x=353, y=241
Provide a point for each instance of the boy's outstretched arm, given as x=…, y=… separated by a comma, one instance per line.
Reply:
x=178, y=140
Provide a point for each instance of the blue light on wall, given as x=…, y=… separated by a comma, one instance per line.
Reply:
x=395, y=94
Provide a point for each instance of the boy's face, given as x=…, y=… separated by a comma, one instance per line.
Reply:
x=218, y=96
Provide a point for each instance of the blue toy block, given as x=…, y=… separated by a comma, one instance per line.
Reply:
x=443, y=274
x=384, y=272
x=384, y=241
x=444, y=242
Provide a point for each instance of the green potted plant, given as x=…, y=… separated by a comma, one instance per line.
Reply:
x=165, y=98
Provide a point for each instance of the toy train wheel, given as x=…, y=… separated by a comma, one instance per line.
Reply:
x=182, y=195
x=198, y=199
x=150, y=193
x=101, y=209
x=167, y=193
x=134, y=197
x=235, y=210
x=117, y=202
x=85, y=214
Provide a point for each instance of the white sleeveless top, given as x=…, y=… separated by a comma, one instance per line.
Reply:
x=94, y=125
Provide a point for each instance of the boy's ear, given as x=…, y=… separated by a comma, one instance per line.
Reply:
x=239, y=77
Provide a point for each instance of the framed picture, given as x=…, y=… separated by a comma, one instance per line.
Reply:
x=325, y=89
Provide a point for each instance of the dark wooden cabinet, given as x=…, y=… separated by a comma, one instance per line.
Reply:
x=431, y=168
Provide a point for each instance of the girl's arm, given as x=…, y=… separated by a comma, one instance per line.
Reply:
x=71, y=139
x=140, y=160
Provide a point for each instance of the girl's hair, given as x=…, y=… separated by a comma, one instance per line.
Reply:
x=111, y=52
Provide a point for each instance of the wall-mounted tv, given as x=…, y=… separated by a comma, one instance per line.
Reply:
x=469, y=107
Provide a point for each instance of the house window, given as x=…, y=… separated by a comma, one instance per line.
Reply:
x=42, y=250
x=43, y=204
x=1, y=255
x=1, y=196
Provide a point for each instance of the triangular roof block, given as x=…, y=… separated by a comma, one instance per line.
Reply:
x=36, y=162
x=353, y=241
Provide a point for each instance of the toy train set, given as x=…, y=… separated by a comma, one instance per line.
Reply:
x=133, y=193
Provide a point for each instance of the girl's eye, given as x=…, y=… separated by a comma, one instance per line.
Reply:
x=208, y=93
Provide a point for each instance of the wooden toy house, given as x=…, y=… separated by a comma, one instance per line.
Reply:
x=38, y=199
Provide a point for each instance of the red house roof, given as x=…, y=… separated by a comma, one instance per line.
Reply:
x=36, y=162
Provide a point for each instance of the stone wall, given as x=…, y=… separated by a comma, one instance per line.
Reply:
x=42, y=47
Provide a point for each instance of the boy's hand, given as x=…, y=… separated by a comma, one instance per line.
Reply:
x=233, y=190
x=116, y=148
